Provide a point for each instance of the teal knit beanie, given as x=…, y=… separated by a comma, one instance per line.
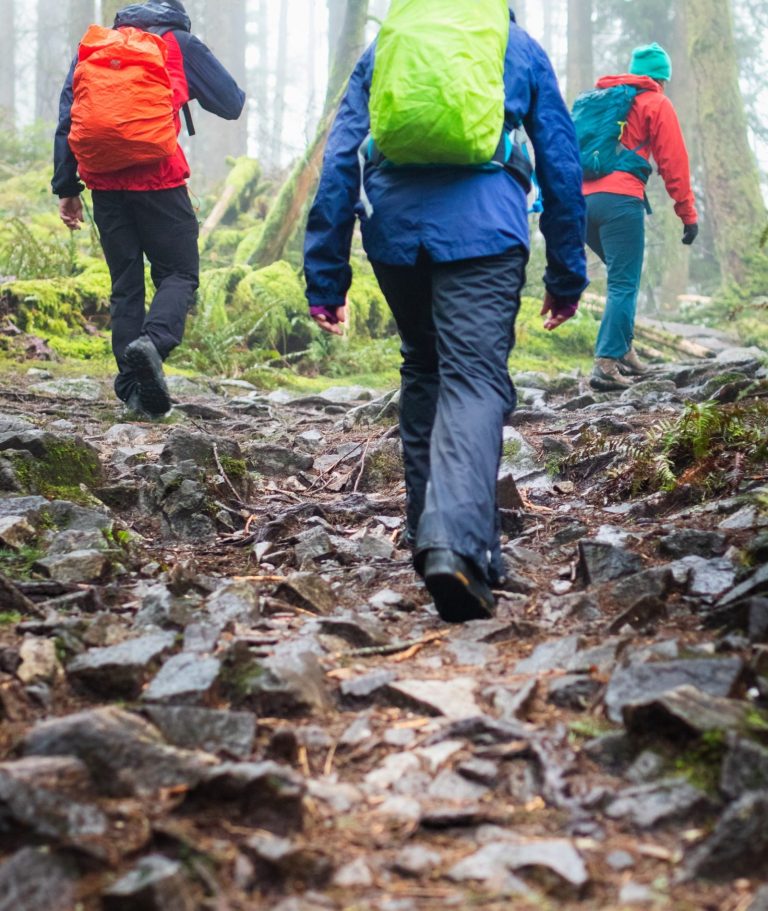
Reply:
x=651, y=60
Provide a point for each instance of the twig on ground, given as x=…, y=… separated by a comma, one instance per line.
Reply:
x=226, y=477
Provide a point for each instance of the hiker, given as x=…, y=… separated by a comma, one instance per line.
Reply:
x=616, y=201
x=142, y=208
x=449, y=245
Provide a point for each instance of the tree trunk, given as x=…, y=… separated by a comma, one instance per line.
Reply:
x=82, y=13
x=218, y=139
x=580, y=69
x=281, y=76
x=237, y=196
x=53, y=58
x=682, y=92
x=283, y=217
x=731, y=179
x=336, y=9
x=260, y=82
x=7, y=66
x=350, y=46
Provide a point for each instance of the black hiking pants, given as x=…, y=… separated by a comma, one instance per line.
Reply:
x=161, y=226
x=457, y=326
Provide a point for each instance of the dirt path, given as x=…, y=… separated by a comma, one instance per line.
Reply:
x=222, y=686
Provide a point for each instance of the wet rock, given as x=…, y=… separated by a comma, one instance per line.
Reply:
x=363, y=689
x=643, y=682
x=383, y=466
x=235, y=601
x=41, y=812
x=573, y=691
x=604, y=562
x=668, y=801
x=36, y=879
x=211, y=730
x=692, y=542
x=80, y=387
x=708, y=579
x=291, y=682
x=537, y=857
x=39, y=662
x=550, y=656
x=156, y=883
x=15, y=531
x=120, y=670
x=359, y=631
x=54, y=461
x=416, y=860
x=77, y=566
x=124, y=754
x=272, y=460
x=185, y=679
x=308, y=591
x=354, y=875
x=281, y=863
x=684, y=711
x=452, y=698
x=756, y=584
x=743, y=519
x=264, y=795
x=385, y=409
x=745, y=768
x=651, y=583
x=738, y=846
x=313, y=544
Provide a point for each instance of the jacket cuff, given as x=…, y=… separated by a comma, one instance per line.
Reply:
x=69, y=191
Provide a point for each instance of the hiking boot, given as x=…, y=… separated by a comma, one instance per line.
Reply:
x=606, y=376
x=145, y=361
x=456, y=588
x=631, y=365
x=132, y=406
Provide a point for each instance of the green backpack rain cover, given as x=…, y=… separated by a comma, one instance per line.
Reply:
x=437, y=95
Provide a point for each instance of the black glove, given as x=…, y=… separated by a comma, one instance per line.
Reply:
x=690, y=233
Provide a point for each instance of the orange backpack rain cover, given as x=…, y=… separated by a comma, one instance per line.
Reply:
x=122, y=110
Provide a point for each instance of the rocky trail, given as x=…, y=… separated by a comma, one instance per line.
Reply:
x=222, y=687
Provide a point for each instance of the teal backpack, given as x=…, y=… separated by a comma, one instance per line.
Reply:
x=600, y=117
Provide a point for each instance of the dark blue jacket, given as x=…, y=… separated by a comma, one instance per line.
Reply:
x=208, y=82
x=454, y=213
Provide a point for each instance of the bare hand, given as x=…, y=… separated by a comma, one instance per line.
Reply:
x=336, y=328
x=71, y=212
x=554, y=320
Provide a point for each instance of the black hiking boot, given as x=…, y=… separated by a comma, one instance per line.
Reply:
x=145, y=361
x=457, y=590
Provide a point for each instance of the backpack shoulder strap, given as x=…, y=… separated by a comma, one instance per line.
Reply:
x=162, y=31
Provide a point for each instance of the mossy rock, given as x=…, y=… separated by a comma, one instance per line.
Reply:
x=53, y=466
x=274, y=303
x=383, y=466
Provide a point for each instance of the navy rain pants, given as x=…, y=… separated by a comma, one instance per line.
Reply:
x=457, y=326
x=161, y=225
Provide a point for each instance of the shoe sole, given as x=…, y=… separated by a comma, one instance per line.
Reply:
x=154, y=399
x=454, y=599
x=607, y=385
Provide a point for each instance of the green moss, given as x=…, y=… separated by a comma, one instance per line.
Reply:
x=18, y=563
x=9, y=618
x=701, y=764
x=511, y=450
x=235, y=469
x=65, y=469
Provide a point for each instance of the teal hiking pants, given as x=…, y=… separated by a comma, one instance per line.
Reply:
x=616, y=233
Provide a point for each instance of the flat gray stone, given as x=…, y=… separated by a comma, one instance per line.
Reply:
x=658, y=803
x=77, y=566
x=36, y=879
x=124, y=753
x=156, y=883
x=600, y=562
x=185, y=679
x=738, y=846
x=120, y=670
x=685, y=710
x=550, y=656
x=744, y=769
x=454, y=699
x=211, y=730
x=641, y=683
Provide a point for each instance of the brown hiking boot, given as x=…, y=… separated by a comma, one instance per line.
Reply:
x=606, y=376
x=631, y=365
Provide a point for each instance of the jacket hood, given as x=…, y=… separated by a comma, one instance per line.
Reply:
x=168, y=14
x=639, y=82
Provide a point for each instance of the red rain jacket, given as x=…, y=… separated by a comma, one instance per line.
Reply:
x=652, y=124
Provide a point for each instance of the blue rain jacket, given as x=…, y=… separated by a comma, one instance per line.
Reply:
x=454, y=213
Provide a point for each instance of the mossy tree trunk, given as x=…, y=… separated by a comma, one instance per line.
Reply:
x=237, y=196
x=580, y=69
x=7, y=65
x=291, y=201
x=734, y=203
x=348, y=49
x=286, y=211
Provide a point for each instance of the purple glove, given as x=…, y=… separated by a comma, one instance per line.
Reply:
x=328, y=312
x=565, y=306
